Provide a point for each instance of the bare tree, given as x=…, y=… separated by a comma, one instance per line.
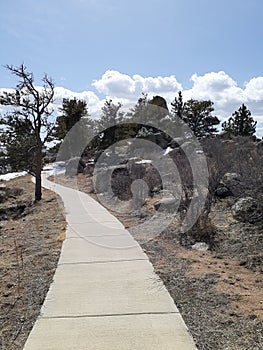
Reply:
x=32, y=105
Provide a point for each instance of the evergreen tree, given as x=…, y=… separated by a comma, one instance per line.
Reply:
x=178, y=106
x=241, y=123
x=32, y=108
x=111, y=115
x=19, y=144
x=73, y=113
x=109, y=123
x=139, y=111
x=148, y=111
x=196, y=114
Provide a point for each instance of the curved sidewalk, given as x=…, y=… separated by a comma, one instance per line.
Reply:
x=105, y=294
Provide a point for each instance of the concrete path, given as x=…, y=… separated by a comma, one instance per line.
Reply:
x=105, y=294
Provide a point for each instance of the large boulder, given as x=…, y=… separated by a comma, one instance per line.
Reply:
x=89, y=169
x=260, y=148
x=245, y=209
x=177, y=142
x=188, y=147
x=159, y=101
x=168, y=204
x=75, y=166
x=108, y=178
x=223, y=191
x=230, y=180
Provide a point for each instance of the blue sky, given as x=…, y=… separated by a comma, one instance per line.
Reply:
x=208, y=48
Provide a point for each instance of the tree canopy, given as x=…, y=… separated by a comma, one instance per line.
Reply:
x=32, y=109
x=20, y=145
x=72, y=111
x=241, y=123
x=197, y=115
x=109, y=123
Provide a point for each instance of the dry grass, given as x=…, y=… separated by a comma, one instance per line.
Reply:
x=30, y=246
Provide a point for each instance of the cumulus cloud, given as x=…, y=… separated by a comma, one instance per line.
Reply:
x=254, y=89
x=123, y=86
x=219, y=87
x=90, y=97
x=227, y=96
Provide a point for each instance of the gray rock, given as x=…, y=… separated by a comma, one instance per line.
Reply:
x=201, y=246
x=244, y=209
x=177, y=142
x=189, y=147
x=231, y=177
x=102, y=177
x=75, y=166
x=89, y=169
x=168, y=204
x=260, y=148
x=223, y=192
x=120, y=150
x=230, y=180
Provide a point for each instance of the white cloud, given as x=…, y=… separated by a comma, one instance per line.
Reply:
x=90, y=97
x=254, y=89
x=123, y=86
x=93, y=101
x=219, y=87
x=116, y=84
x=227, y=96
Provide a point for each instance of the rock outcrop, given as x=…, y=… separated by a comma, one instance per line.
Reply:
x=245, y=209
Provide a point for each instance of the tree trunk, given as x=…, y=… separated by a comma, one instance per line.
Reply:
x=38, y=186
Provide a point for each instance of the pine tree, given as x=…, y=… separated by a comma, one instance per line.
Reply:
x=109, y=124
x=139, y=111
x=111, y=115
x=32, y=106
x=178, y=106
x=19, y=144
x=241, y=123
x=74, y=113
x=196, y=114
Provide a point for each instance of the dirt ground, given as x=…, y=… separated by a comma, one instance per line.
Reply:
x=220, y=300
x=30, y=242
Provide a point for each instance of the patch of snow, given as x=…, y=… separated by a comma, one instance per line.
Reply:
x=167, y=150
x=55, y=168
x=144, y=161
x=10, y=176
x=201, y=246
